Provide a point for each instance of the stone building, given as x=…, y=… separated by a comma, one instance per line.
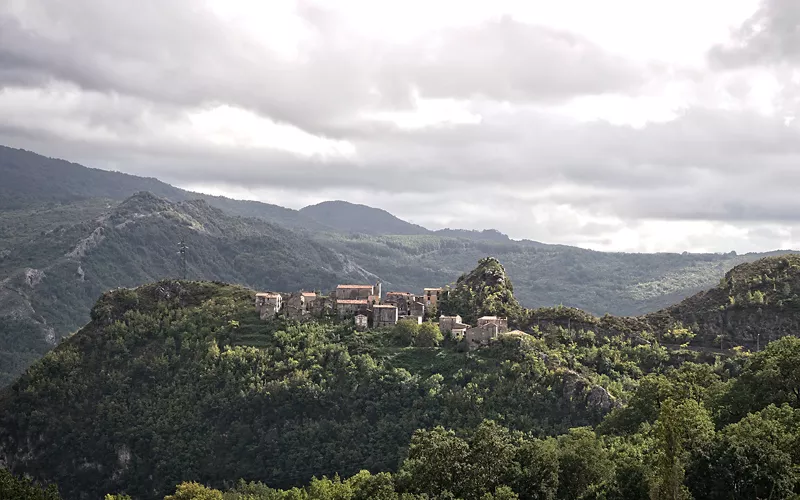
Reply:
x=406, y=302
x=348, y=307
x=293, y=305
x=399, y=299
x=384, y=315
x=321, y=306
x=452, y=325
x=477, y=336
x=361, y=322
x=459, y=330
x=502, y=323
x=268, y=304
x=416, y=309
x=430, y=297
x=298, y=305
x=308, y=300
x=489, y=327
x=372, y=293
x=446, y=322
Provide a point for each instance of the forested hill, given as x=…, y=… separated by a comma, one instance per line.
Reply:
x=52, y=279
x=753, y=304
x=181, y=381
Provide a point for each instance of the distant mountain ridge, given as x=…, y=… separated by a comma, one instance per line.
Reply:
x=354, y=218
x=30, y=179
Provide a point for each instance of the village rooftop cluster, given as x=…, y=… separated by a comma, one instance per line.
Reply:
x=367, y=308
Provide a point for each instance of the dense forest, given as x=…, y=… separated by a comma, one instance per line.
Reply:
x=178, y=390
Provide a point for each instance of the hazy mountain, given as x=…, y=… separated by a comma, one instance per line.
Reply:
x=31, y=180
x=352, y=218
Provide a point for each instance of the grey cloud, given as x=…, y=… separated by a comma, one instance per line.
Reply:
x=508, y=60
x=770, y=36
x=137, y=69
x=172, y=52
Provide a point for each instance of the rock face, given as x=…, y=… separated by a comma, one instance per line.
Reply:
x=577, y=387
x=33, y=277
x=599, y=397
x=485, y=291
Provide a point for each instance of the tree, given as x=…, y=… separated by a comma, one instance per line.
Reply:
x=754, y=458
x=24, y=489
x=501, y=493
x=366, y=486
x=681, y=429
x=538, y=463
x=428, y=335
x=437, y=462
x=405, y=331
x=491, y=452
x=584, y=464
x=194, y=491
x=771, y=376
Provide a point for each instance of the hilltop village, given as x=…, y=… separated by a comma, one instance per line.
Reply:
x=366, y=307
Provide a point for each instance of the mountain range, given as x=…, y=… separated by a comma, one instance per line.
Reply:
x=68, y=233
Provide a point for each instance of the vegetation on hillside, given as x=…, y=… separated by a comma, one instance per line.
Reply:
x=753, y=304
x=181, y=381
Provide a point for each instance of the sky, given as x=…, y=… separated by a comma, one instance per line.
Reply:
x=625, y=125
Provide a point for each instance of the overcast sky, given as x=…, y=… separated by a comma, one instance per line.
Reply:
x=634, y=125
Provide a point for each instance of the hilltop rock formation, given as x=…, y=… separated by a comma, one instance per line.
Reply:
x=484, y=291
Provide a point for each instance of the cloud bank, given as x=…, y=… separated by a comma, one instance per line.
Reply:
x=598, y=129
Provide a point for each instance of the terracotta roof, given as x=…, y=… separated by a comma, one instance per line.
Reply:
x=385, y=306
x=432, y=289
x=354, y=286
x=359, y=302
x=309, y=294
x=267, y=294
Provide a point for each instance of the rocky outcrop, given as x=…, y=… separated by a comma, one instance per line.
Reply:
x=33, y=277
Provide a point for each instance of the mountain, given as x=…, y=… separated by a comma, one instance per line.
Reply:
x=52, y=271
x=50, y=281
x=181, y=381
x=352, y=218
x=67, y=235
x=31, y=181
